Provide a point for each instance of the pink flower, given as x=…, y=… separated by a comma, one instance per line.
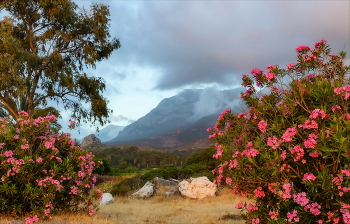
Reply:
x=273, y=215
x=320, y=43
x=309, y=176
x=317, y=113
x=16, y=137
x=273, y=142
x=302, y=48
x=228, y=180
x=293, y=216
x=256, y=221
x=25, y=146
x=241, y=115
x=73, y=190
x=256, y=71
x=251, y=207
x=233, y=164
x=290, y=132
x=336, y=108
x=310, y=143
x=314, y=208
x=8, y=153
x=283, y=155
x=32, y=220
x=48, y=145
x=250, y=152
x=301, y=199
x=290, y=66
x=240, y=205
x=262, y=126
x=346, y=172
x=298, y=152
x=309, y=124
x=23, y=113
x=92, y=211
x=314, y=154
x=39, y=160
x=270, y=76
x=286, y=193
x=259, y=193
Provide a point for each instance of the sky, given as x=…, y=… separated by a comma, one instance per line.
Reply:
x=169, y=46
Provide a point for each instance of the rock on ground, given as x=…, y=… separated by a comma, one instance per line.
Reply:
x=197, y=188
x=146, y=191
x=163, y=182
x=106, y=199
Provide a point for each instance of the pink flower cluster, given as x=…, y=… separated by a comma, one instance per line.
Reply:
x=31, y=220
x=301, y=199
x=314, y=208
x=344, y=90
x=318, y=113
x=273, y=215
x=302, y=48
x=293, y=216
x=49, y=180
x=262, y=126
x=298, y=152
x=309, y=177
x=259, y=193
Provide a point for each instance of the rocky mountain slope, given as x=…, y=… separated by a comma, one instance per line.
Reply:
x=90, y=139
x=180, y=119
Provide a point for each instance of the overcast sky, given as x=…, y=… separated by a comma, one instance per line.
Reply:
x=168, y=46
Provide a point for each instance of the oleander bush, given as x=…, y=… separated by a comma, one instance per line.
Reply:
x=42, y=171
x=289, y=151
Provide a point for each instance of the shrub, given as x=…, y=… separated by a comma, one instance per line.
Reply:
x=290, y=150
x=42, y=171
x=104, y=168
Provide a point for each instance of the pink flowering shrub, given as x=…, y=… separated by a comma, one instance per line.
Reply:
x=290, y=151
x=41, y=171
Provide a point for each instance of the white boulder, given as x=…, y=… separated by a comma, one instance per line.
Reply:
x=146, y=191
x=197, y=188
x=106, y=199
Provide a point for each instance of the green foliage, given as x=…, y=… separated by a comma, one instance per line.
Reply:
x=203, y=158
x=104, y=168
x=43, y=172
x=122, y=158
x=44, y=48
x=290, y=151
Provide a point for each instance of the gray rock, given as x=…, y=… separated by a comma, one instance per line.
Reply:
x=163, y=182
x=146, y=191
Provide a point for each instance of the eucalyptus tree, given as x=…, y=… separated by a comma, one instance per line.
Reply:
x=45, y=47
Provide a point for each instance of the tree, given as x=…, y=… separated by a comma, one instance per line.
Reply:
x=44, y=48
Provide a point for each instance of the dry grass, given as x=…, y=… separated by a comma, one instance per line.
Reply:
x=157, y=209
x=168, y=210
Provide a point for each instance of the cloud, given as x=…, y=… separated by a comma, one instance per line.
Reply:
x=118, y=118
x=196, y=42
x=213, y=101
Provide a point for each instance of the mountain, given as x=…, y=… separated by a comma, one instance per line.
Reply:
x=90, y=139
x=180, y=119
x=109, y=132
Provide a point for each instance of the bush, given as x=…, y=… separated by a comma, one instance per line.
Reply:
x=104, y=168
x=41, y=171
x=290, y=151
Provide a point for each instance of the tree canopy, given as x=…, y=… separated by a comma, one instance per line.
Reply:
x=44, y=48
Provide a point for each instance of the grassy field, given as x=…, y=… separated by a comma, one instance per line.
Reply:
x=157, y=209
